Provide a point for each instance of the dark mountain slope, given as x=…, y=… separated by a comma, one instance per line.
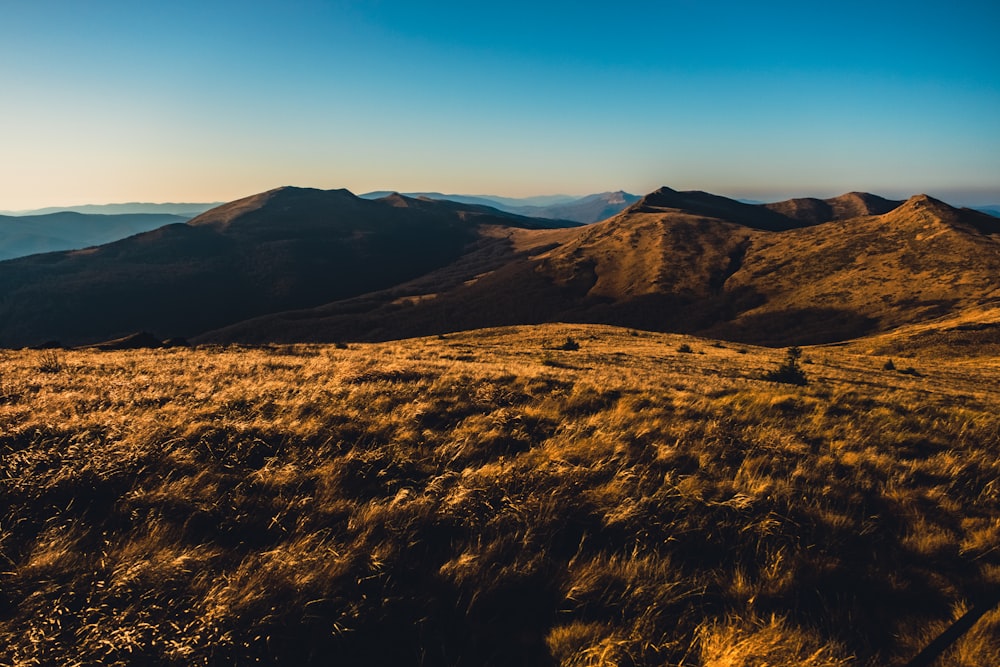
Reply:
x=284, y=249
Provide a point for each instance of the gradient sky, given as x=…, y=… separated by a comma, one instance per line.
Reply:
x=108, y=101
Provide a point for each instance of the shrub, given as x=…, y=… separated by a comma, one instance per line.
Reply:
x=789, y=372
x=569, y=344
x=50, y=362
x=889, y=366
x=685, y=348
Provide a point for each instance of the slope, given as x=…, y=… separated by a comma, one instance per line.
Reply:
x=842, y=279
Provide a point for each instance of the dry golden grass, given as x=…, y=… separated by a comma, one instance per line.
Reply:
x=489, y=498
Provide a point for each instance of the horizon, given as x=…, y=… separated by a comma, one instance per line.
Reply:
x=206, y=102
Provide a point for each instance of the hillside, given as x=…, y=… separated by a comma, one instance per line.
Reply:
x=283, y=249
x=697, y=263
x=33, y=234
x=496, y=498
x=920, y=261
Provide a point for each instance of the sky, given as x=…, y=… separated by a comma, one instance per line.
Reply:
x=201, y=101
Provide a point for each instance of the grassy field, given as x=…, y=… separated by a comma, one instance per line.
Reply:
x=490, y=498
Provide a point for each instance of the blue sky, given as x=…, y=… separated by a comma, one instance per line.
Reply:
x=203, y=101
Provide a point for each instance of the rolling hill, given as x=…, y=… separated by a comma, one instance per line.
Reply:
x=51, y=232
x=283, y=249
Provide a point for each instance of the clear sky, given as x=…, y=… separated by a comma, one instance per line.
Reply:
x=112, y=101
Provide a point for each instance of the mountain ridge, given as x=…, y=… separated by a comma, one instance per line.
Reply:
x=294, y=264
x=660, y=267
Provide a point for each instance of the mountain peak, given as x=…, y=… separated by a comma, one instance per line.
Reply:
x=283, y=200
x=706, y=204
x=922, y=202
x=397, y=200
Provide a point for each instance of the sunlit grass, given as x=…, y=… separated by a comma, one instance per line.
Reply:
x=489, y=498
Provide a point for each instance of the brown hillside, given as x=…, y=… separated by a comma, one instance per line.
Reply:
x=922, y=260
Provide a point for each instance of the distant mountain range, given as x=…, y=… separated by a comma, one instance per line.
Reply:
x=297, y=264
x=32, y=234
x=592, y=208
x=184, y=210
x=992, y=210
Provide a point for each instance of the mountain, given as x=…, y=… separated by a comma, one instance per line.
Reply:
x=588, y=209
x=297, y=264
x=31, y=234
x=592, y=208
x=992, y=210
x=185, y=210
x=495, y=201
x=692, y=262
x=283, y=249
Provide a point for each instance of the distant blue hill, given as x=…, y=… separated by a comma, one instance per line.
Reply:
x=68, y=230
x=188, y=210
x=993, y=209
x=588, y=209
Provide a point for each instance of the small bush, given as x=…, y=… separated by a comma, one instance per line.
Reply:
x=569, y=344
x=684, y=348
x=889, y=366
x=50, y=362
x=789, y=372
